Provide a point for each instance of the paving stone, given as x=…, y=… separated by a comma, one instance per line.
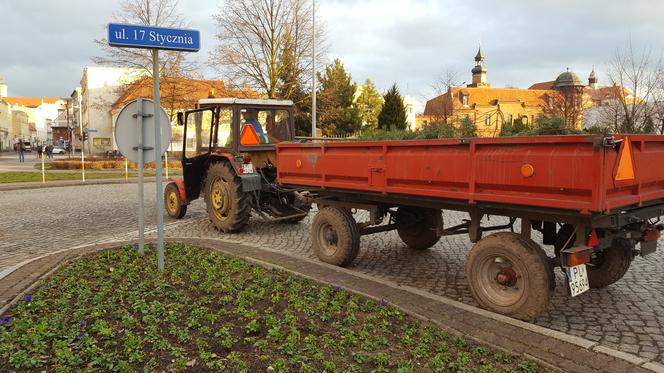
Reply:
x=41, y=221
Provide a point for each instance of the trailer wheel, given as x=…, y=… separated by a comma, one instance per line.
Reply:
x=509, y=275
x=335, y=236
x=227, y=206
x=417, y=226
x=605, y=267
x=175, y=207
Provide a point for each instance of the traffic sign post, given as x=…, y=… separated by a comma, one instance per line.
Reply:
x=155, y=38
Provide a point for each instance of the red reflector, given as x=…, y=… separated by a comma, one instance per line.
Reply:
x=240, y=170
x=580, y=257
x=594, y=241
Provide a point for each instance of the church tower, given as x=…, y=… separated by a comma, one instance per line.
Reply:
x=592, y=79
x=479, y=71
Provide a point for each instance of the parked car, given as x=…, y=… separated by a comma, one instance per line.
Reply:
x=59, y=150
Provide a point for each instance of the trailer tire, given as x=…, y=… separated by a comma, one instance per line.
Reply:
x=521, y=289
x=605, y=267
x=175, y=207
x=335, y=236
x=417, y=226
x=228, y=206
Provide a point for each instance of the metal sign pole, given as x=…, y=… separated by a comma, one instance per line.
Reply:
x=157, y=146
x=139, y=126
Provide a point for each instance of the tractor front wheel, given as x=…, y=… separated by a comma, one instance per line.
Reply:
x=175, y=206
x=227, y=205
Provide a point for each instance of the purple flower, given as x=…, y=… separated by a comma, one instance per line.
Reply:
x=81, y=323
x=79, y=336
x=6, y=320
x=383, y=302
x=337, y=288
x=27, y=297
x=473, y=343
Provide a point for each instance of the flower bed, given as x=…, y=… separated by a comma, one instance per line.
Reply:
x=115, y=311
x=106, y=164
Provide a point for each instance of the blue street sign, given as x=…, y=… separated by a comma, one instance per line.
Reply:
x=134, y=36
x=89, y=130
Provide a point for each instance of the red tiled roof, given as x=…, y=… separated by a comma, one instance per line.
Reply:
x=543, y=85
x=180, y=94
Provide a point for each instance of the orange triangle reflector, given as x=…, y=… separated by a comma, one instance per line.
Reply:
x=594, y=240
x=249, y=136
x=625, y=164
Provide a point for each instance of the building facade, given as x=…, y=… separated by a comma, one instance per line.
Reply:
x=566, y=97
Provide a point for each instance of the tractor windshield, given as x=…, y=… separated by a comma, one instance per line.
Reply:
x=269, y=125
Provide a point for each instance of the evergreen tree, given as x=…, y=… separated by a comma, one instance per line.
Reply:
x=467, y=128
x=369, y=103
x=337, y=115
x=291, y=87
x=393, y=114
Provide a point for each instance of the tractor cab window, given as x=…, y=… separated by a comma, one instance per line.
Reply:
x=270, y=126
x=222, y=136
x=199, y=126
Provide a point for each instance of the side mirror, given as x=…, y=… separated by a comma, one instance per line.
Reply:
x=180, y=118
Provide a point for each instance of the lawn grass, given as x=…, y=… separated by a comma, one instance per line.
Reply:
x=22, y=176
x=114, y=311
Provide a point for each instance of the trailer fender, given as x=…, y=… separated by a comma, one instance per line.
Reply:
x=180, y=184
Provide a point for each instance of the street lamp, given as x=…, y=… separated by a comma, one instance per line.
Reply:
x=313, y=72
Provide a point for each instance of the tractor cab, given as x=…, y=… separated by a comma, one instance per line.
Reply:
x=237, y=138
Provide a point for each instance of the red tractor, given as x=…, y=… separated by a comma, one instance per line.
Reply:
x=229, y=157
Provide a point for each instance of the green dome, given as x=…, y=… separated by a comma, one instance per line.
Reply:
x=567, y=79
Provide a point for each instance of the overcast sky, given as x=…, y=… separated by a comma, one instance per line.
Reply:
x=45, y=44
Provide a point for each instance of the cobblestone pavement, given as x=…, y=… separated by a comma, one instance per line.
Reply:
x=628, y=316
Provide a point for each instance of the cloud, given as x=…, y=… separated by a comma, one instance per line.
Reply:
x=46, y=44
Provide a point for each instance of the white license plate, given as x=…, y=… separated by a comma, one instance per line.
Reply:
x=577, y=277
x=248, y=168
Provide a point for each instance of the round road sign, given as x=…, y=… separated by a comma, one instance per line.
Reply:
x=127, y=130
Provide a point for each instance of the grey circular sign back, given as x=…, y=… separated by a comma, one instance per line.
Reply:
x=126, y=130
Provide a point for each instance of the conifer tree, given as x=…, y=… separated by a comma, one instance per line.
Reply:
x=393, y=114
x=369, y=103
x=337, y=115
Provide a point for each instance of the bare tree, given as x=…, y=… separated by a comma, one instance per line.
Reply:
x=637, y=80
x=162, y=13
x=448, y=79
x=567, y=103
x=260, y=41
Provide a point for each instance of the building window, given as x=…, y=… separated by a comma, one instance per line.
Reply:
x=550, y=102
x=487, y=120
x=464, y=100
x=509, y=118
x=524, y=120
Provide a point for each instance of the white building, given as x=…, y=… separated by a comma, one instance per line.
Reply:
x=100, y=88
x=412, y=106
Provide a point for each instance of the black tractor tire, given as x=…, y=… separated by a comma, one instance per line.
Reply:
x=175, y=206
x=228, y=206
x=606, y=266
x=417, y=226
x=335, y=236
x=527, y=277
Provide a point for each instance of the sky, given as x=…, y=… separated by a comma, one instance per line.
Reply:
x=44, y=44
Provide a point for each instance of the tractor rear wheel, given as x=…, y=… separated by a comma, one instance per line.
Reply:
x=417, y=226
x=510, y=275
x=227, y=205
x=175, y=206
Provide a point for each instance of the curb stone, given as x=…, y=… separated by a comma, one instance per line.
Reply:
x=551, y=349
